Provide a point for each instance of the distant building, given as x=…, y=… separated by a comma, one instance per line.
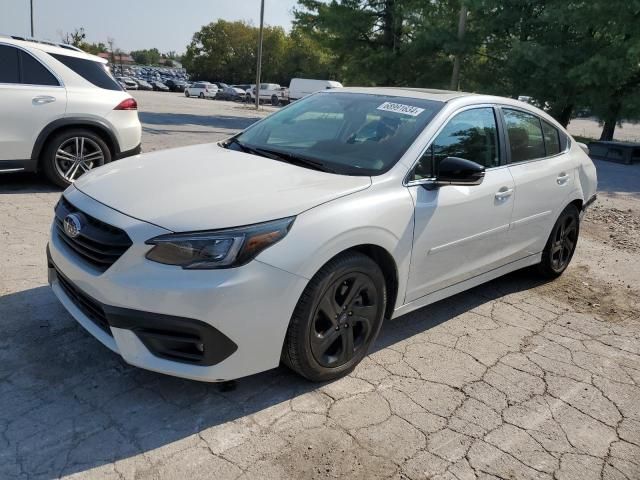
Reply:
x=120, y=58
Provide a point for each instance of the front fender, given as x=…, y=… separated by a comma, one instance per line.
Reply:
x=377, y=216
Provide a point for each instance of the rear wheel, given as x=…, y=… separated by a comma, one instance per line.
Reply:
x=71, y=153
x=186, y=93
x=336, y=319
x=561, y=245
x=201, y=95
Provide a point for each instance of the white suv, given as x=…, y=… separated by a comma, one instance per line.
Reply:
x=296, y=238
x=201, y=90
x=62, y=111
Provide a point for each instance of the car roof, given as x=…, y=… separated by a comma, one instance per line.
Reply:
x=425, y=93
x=50, y=47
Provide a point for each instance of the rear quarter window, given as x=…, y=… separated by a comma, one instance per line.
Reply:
x=93, y=72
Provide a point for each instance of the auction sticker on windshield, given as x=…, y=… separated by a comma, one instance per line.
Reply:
x=401, y=108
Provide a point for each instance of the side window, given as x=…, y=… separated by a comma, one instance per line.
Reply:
x=9, y=61
x=551, y=138
x=525, y=135
x=472, y=135
x=93, y=72
x=34, y=73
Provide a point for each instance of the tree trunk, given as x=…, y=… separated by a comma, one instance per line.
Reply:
x=565, y=115
x=455, y=74
x=610, y=120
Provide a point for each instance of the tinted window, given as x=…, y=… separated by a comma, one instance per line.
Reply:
x=525, y=135
x=351, y=133
x=93, y=72
x=551, y=139
x=34, y=73
x=472, y=135
x=8, y=65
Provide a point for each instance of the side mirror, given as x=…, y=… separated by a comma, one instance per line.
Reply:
x=459, y=171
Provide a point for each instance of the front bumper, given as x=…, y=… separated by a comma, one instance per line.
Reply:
x=210, y=325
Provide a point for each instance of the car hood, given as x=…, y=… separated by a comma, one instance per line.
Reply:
x=205, y=187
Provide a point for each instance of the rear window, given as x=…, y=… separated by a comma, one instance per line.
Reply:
x=93, y=72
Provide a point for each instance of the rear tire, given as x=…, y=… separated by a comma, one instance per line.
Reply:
x=71, y=153
x=186, y=93
x=337, y=318
x=561, y=245
x=201, y=95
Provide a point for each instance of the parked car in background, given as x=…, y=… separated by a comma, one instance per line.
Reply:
x=230, y=93
x=144, y=85
x=270, y=92
x=159, y=86
x=176, y=85
x=301, y=87
x=122, y=84
x=295, y=239
x=129, y=82
x=201, y=90
x=244, y=86
x=62, y=112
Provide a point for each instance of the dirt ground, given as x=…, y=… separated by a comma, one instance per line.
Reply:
x=516, y=379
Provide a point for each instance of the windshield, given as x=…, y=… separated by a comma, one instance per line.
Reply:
x=350, y=133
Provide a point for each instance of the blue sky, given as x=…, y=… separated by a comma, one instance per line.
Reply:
x=135, y=24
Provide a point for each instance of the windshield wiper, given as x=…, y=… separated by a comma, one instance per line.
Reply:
x=282, y=156
x=294, y=159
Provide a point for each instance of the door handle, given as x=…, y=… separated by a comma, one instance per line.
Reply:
x=563, y=178
x=504, y=193
x=42, y=99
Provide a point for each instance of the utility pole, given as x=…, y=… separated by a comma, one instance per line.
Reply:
x=31, y=10
x=462, y=24
x=259, y=67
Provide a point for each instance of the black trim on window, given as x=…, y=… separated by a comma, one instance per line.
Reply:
x=564, y=138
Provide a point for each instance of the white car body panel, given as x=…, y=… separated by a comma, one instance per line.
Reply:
x=225, y=188
x=442, y=241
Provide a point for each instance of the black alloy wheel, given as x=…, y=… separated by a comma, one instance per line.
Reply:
x=561, y=244
x=337, y=318
x=343, y=319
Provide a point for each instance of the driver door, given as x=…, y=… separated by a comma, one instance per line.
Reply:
x=460, y=231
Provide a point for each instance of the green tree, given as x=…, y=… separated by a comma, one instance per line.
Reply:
x=146, y=57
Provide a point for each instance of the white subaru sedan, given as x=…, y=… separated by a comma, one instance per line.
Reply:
x=295, y=239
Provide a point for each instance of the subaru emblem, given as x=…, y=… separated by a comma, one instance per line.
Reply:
x=72, y=225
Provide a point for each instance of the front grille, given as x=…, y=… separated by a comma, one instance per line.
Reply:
x=99, y=243
x=87, y=305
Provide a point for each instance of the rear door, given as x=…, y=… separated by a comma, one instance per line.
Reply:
x=544, y=176
x=31, y=97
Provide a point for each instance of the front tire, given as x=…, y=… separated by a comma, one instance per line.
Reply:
x=71, y=153
x=275, y=101
x=336, y=319
x=186, y=93
x=201, y=95
x=561, y=245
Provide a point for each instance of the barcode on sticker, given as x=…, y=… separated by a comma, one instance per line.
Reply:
x=401, y=108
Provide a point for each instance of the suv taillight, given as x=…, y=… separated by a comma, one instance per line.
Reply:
x=127, y=104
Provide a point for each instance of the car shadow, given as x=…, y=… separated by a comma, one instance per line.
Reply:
x=214, y=121
x=68, y=404
x=21, y=182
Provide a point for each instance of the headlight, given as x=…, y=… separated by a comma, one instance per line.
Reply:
x=217, y=248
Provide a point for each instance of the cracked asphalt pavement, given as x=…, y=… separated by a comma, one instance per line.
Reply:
x=516, y=379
